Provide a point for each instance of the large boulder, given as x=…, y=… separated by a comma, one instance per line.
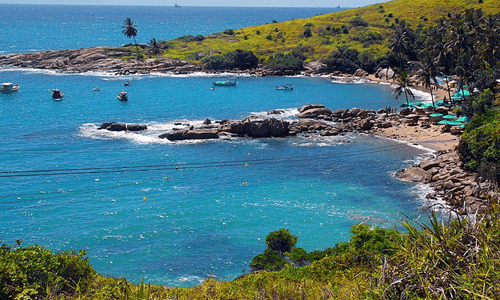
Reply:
x=316, y=66
x=310, y=106
x=117, y=127
x=415, y=174
x=257, y=127
x=385, y=74
x=360, y=73
x=314, y=113
x=279, y=128
x=136, y=127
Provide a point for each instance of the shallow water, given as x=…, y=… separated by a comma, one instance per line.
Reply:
x=66, y=185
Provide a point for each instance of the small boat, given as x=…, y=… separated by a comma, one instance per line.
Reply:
x=285, y=87
x=122, y=96
x=126, y=83
x=229, y=82
x=57, y=94
x=9, y=88
x=96, y=89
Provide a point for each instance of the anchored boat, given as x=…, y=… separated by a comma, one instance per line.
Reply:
x=9, y=88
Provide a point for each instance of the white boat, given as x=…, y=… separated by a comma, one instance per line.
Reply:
x=122, y=96
x=285, y=87
x=8, y=88
x=57, y=94
x=229, y=82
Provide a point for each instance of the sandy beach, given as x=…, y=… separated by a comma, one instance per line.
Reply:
x=428, y=137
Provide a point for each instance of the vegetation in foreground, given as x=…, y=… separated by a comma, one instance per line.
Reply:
x=458, y=259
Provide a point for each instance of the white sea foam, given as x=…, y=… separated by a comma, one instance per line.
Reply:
x=349, y=80
x=149, y=136
x=288, y=113
x=191, y=279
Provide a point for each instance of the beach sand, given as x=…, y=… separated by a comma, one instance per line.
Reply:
x=431, y=137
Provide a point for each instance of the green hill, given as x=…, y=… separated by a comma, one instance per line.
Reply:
x=367, y=29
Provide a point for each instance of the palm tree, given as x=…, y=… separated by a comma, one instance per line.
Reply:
x=130, y=30
x=400, y=44
x=155, y=47
x=427, y=75
x=404, y=85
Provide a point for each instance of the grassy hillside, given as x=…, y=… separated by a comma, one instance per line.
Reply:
x=366, y=29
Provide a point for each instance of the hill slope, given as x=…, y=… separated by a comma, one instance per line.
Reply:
x=366, y=29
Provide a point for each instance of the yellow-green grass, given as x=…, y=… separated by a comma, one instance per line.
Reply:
x=380, y=17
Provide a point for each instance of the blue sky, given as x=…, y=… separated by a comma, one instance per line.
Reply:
x=258, y=3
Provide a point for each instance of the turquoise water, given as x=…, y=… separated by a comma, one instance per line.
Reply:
x=175, y=213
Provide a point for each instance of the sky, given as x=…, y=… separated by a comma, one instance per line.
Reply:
x=246, y=3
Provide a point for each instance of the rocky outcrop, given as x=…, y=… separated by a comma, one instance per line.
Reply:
x=360, y=73
x=316, y=67
x=191, y=134
x=112, y=126
x=257, y=127
x=464, y=191
x=95, y=59
x=385, y=74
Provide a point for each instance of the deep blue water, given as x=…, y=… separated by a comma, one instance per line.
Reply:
x=174, y=213
x=27, y=28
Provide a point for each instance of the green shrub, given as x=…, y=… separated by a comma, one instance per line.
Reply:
x=191, y=38
x=236, y=59
x=34, y=272
x=288, y=61
x=358, y=22
x=307, y=32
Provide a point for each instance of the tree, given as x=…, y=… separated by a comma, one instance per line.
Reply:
x=281, y=241
x=404, y=85
x=427, y=75
x=154, y=47
x=130, y=30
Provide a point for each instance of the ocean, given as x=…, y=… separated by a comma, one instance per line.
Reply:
x=175, y=213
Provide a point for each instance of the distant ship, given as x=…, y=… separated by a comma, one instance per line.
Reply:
x=176, y=6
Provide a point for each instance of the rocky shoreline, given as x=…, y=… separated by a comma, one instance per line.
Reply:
x=109, y=60
x=463, y=192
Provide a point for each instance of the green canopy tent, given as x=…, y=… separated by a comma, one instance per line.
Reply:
x=447, y=122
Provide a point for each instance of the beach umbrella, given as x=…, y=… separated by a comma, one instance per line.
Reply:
x=435, y=115
x=446, y=122
x=450, y=117
x=462, y=119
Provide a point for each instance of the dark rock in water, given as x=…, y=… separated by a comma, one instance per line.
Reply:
x=105, y=125
x=195, y=134
x=276, y=112
x=136, y=127
x=117, y=127
x=257, y=127
x=112, y=126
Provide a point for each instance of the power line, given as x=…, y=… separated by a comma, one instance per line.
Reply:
x=161, y=167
